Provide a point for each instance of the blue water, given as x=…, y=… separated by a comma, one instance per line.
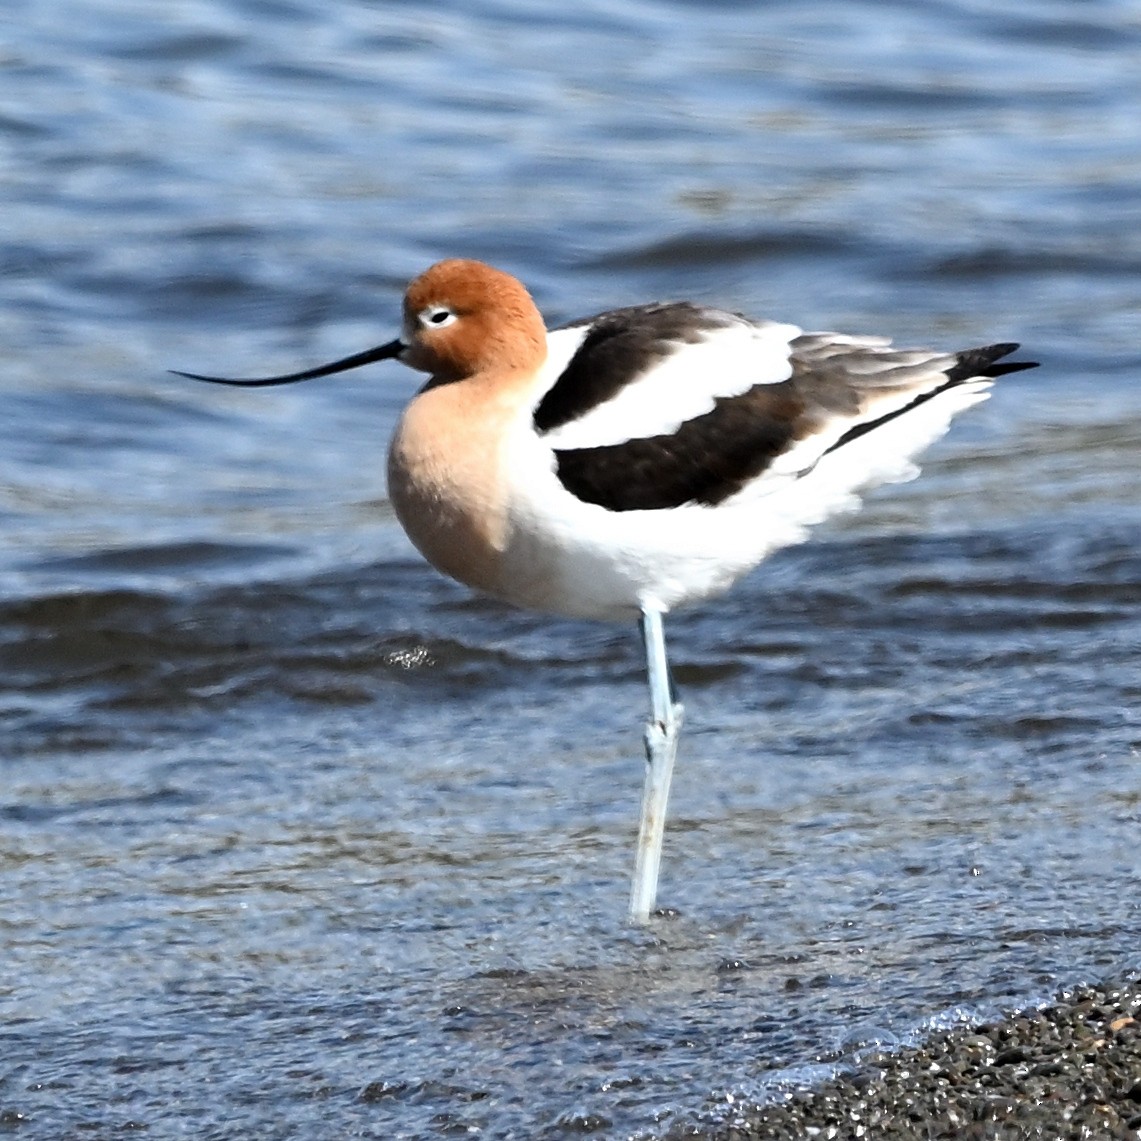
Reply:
x=298, y=840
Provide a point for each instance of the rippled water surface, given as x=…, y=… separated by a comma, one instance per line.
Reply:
x=298, y=840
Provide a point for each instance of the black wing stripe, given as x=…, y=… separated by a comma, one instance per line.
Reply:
x=712, y=457
x=708, y=459
x=619, y=347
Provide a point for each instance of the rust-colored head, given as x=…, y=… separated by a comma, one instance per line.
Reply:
x=463, y=317
x=460, y=318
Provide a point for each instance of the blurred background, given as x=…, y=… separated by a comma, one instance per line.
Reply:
x=298, y=839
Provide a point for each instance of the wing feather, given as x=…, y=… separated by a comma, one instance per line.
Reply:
x=840, y=389
x=644, y=372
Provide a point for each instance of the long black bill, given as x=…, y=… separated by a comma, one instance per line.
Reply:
x=380, y=353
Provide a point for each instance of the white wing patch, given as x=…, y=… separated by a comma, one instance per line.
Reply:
x=885, y=455
x=892, y=399
x=727, y=361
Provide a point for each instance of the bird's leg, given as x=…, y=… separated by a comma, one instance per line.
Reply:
x=662, y=732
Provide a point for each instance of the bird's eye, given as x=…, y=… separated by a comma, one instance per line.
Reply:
x=436, y=317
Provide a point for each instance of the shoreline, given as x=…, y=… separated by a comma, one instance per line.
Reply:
x=1071, y=1069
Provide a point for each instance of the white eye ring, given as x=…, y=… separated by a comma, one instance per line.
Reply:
x=436, y=317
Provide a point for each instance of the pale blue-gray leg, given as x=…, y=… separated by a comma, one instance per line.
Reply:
x=661, y=748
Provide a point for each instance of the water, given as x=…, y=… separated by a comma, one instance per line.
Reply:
x=298, y=840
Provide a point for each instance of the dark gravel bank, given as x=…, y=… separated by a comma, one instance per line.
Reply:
x=1071, y=1070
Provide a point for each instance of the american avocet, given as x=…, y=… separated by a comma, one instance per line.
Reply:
x=640, y=459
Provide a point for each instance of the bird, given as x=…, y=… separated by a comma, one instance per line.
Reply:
x=641, y=459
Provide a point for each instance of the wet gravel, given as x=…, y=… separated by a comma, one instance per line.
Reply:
x=1069, y=1070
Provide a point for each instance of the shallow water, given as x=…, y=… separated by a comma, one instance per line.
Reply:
x=298, y=840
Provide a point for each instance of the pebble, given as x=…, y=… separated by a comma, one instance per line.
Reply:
x=1069, y=1071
